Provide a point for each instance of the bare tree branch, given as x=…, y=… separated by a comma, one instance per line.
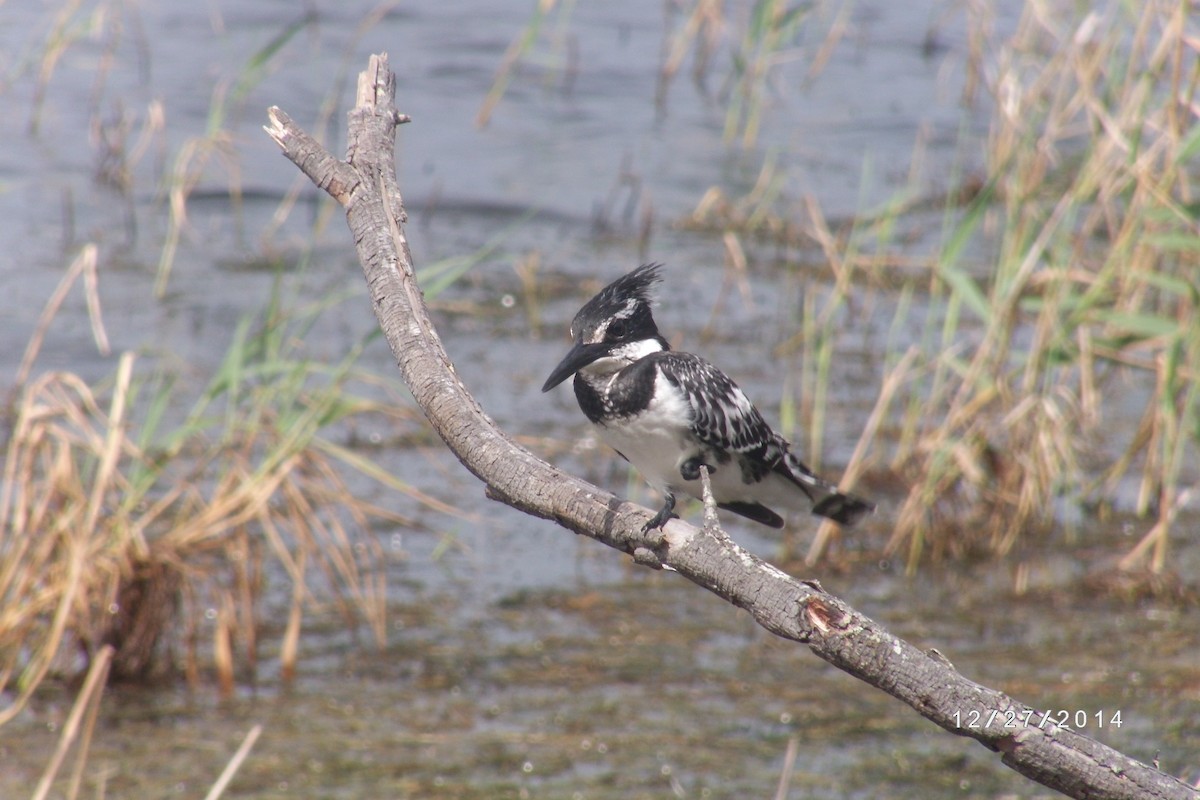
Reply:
x=365, y=184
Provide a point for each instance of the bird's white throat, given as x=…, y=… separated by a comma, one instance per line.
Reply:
x=622, y=357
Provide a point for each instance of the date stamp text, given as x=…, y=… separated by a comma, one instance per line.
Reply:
x=1031, y=718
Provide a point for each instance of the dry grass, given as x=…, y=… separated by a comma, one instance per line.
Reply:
x=122, y=525
x=1093, y=290
x=120, y=530
x=1064, y=289
x=208, y=159
x=198, y=154
x=79, y=727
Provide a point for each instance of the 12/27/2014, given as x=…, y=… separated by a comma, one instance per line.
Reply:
x=1062, y=718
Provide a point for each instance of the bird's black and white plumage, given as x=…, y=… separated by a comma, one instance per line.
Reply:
x=668, y=413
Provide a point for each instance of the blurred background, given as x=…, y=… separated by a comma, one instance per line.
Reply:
x=948, y=248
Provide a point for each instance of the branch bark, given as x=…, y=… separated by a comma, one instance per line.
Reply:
x=365, y=184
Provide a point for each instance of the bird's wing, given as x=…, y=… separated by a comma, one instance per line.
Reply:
x=722, y=416
x=724, y=419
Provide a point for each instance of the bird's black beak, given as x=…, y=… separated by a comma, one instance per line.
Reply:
x=579, y=357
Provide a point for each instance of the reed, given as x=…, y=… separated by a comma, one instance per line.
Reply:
x=198, y=155
x=767, y=39
x=1062, y=294
x=559, y=56
x=125, y=137
x=743, y=45
x=125, y=526
x=1091, y=300
x=755, y=40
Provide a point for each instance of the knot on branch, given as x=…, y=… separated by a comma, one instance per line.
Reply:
x=824, y=617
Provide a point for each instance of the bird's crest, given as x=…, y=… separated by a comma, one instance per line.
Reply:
x=635, y=285
x=627, y=297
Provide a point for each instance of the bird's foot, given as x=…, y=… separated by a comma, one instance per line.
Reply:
x=690, y=469
x=664, y=515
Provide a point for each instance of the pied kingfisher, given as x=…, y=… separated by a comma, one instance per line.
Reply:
x=668, y=413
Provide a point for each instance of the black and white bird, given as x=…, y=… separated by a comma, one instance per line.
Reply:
x=668, y=413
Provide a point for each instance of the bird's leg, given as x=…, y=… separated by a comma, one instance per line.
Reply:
x=690, y=469
x=710, y=502
x=711, y=523
x=663, y=516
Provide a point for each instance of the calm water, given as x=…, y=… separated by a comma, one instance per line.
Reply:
x=524, y=661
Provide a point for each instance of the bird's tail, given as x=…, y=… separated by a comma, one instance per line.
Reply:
x=828, y=501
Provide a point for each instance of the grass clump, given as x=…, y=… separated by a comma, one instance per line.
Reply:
x=122, y=526
x=1090, y=303
x=1061, y=300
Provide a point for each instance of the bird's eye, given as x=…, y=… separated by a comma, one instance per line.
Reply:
x=616, y=330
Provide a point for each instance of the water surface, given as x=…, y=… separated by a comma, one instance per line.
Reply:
x=525, y=661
